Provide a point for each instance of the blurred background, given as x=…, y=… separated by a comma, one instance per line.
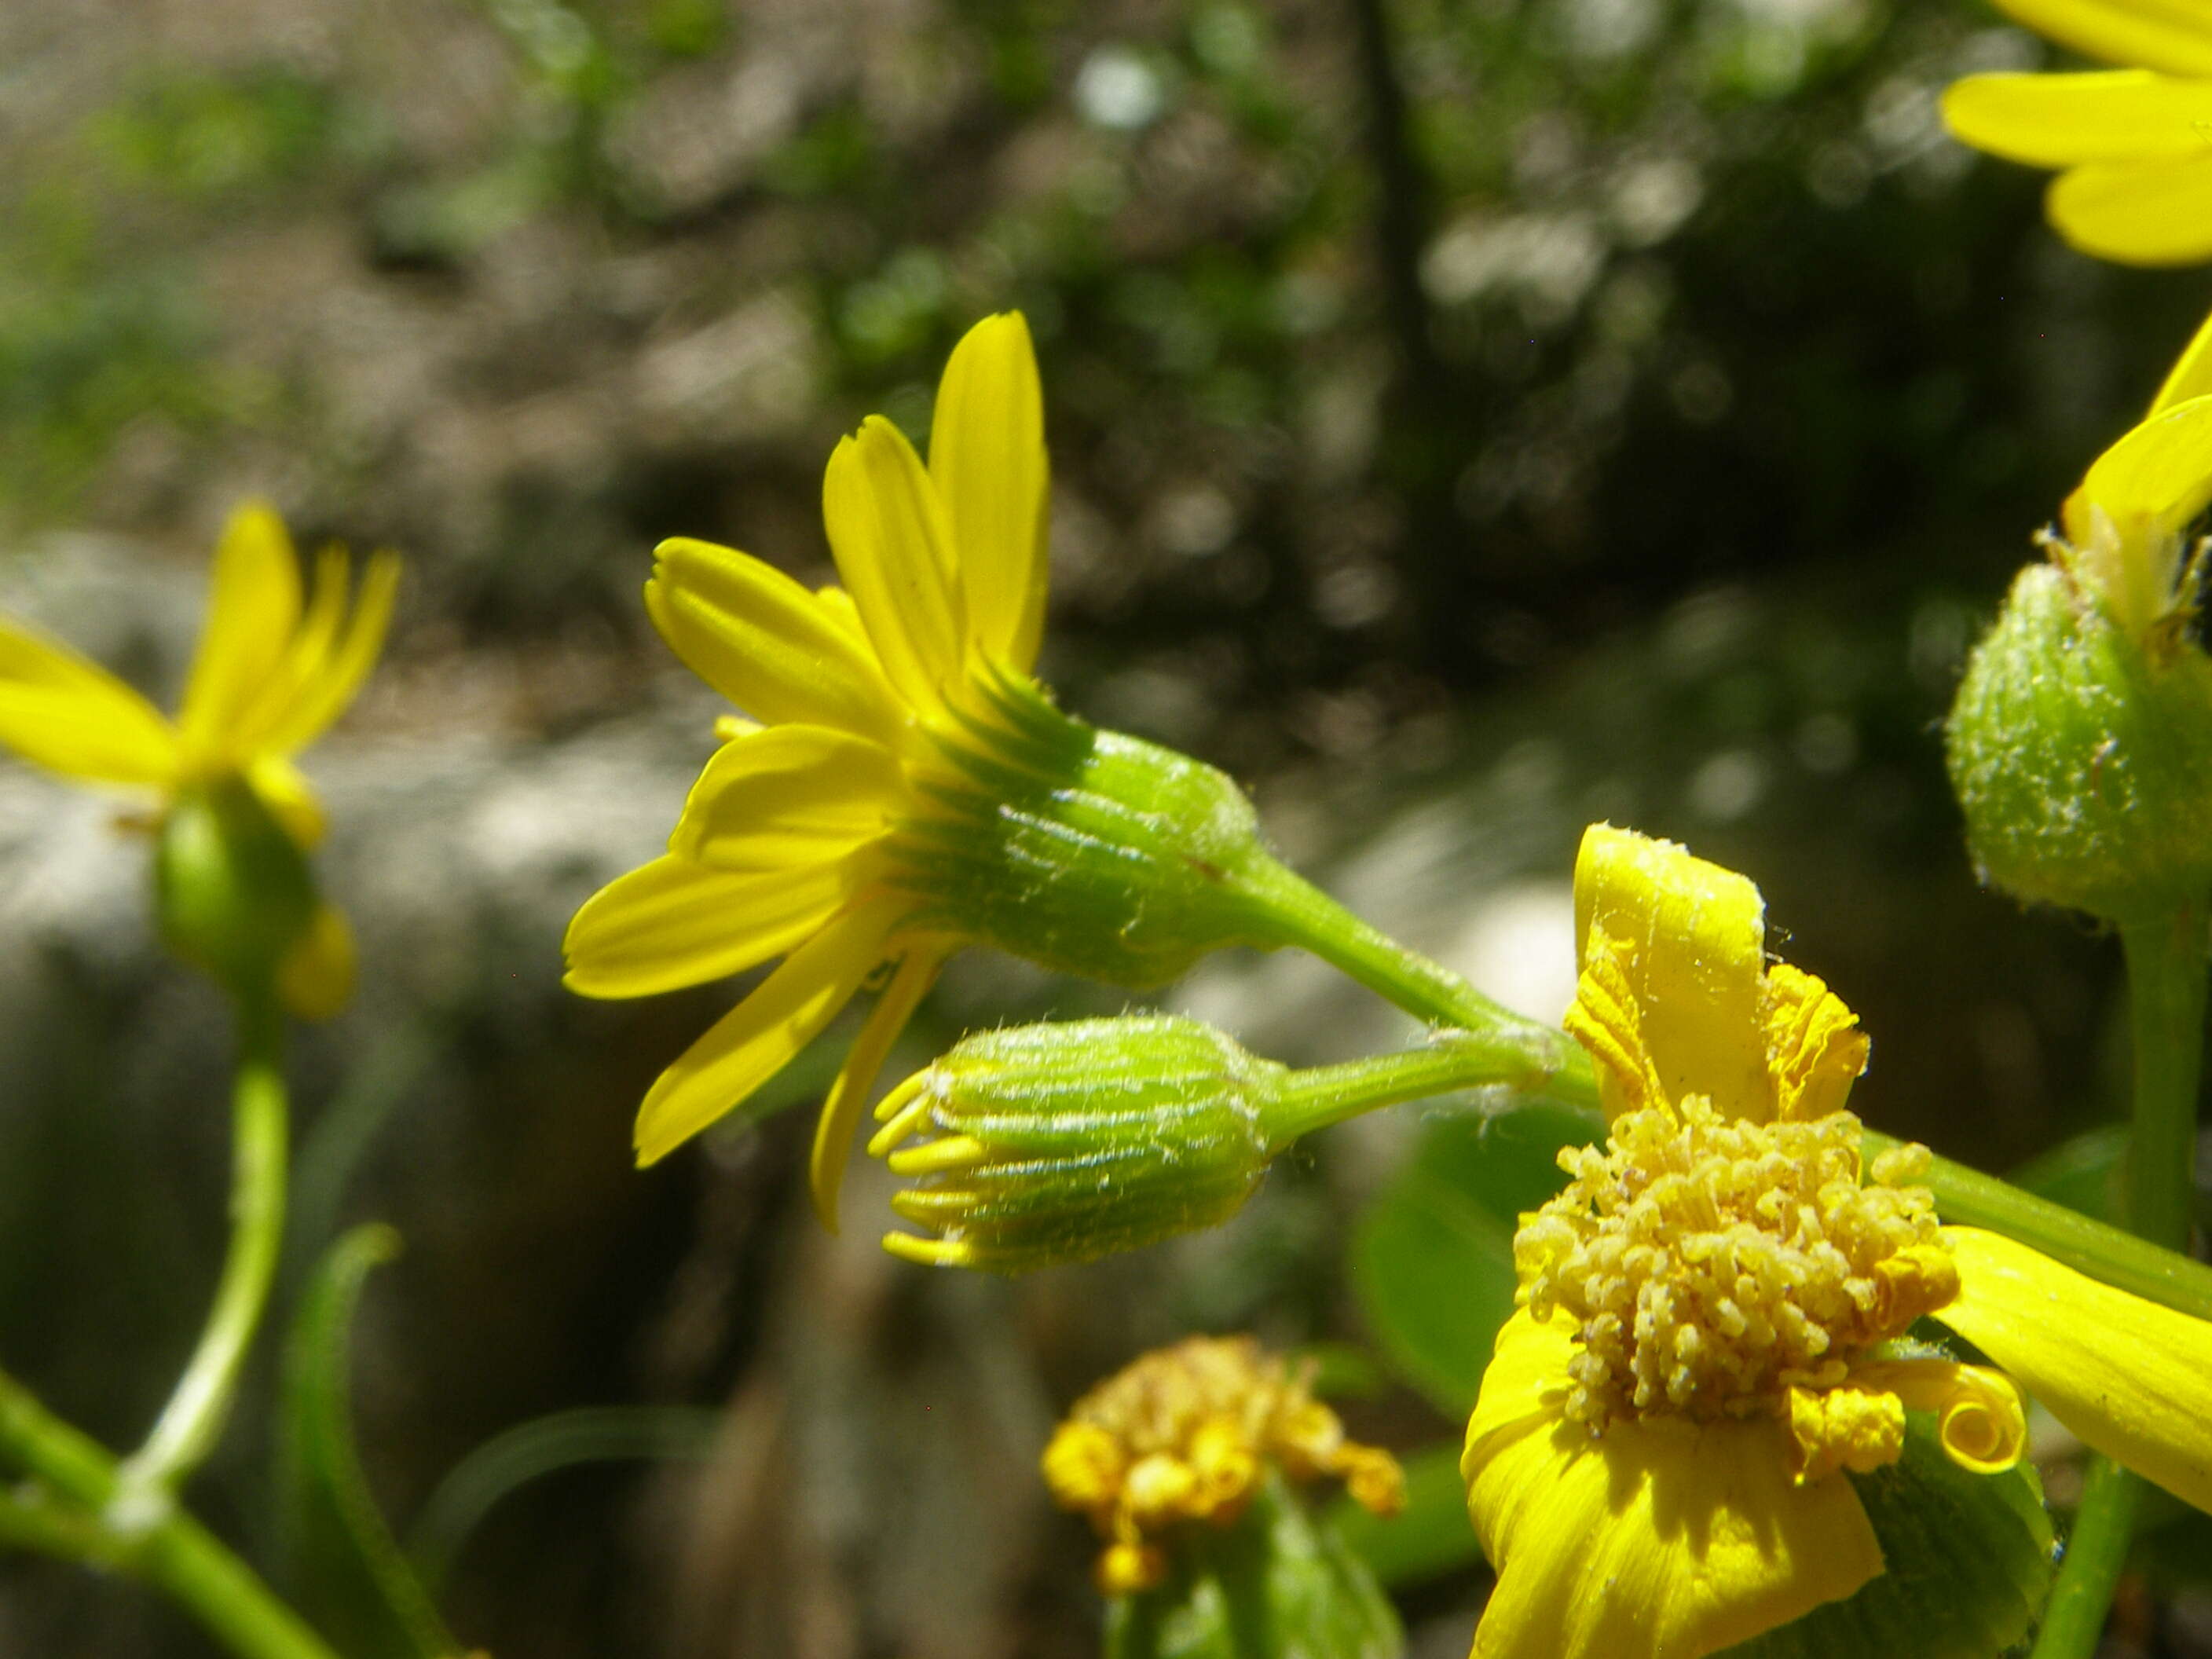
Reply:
x=1469, y=418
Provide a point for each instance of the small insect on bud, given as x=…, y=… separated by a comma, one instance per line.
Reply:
x=1062, y=1142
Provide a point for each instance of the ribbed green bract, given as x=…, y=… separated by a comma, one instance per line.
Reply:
x=1084, y=851
x=232, y=890
x=2083, y=758
x=1277, y=1585
x=1968, y=1564
x=1098, y=1136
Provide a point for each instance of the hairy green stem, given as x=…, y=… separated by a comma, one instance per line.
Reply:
x=192, y=1422
x=1322, y=1094
x=1299, y=913
x=2074, y=1618
x=71, y=1508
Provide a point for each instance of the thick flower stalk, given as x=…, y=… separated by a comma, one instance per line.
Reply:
x=233, y=817
x=910, y=789
x=1189, y=1435
x=1710, y=1340
x=2135, y=183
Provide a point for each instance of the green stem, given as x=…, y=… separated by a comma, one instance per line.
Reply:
x=2074, y=1618
x=169, y=1549
x=1971, y=1199
x=192, y=1422
x=1322, y=1094
x=2166, y=963
x=1295, y=911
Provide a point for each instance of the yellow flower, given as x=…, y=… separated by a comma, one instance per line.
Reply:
x=1186, y=1435
x=2137, y=185
x=783, y=848
x=269, y=676
x=1706, y=1339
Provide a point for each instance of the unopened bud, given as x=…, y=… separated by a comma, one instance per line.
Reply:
x=1039, y=1145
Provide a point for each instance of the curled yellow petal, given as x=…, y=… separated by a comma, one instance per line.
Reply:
x=2153, y=212
x=2132, y=1379
x=986, y=455
x=2172, y=35
x=760, y=1036
x=1814, y=1048
x=1692, y=940
x=1980, y=1419
x=1666, y=1540
x=849, y=1095
x=73, y=717
x=2064, y=120
x=1605, y=1019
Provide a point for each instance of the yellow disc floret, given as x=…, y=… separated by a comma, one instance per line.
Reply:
x=1186, y=1434
x=1715, y=1265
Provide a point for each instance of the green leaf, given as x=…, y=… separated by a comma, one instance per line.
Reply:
x=1432, y=1256
x=1430, y=1537
x=348, y=1575
x=598, y=1434
x=1969, y=1558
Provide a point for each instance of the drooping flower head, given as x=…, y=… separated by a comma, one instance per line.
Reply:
x=1710, y=1339
x=2135, y=184
x=1189, y=1435
x=909, y=788
x=270, y=674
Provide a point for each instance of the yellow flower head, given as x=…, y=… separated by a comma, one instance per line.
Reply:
x=271, y=672
x=782, y=848
x=1710, y=1312
x=2137, y=179
x=1187, y=1434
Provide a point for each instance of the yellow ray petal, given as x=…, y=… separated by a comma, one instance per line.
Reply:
x=315, y=979
x=1666, y=1540
x=71, y=716
x=330, y=678
x=758, y=1037
x=290, y=797
x=2191, y=376
x=2063, y=120
x=253, y=605
x=2150, y=484
x=988, y=457
x=672, y=923
x=763, y=641
x=888, y=532
x=2151, y=214
x=2132, y=1379
x=1814, y=1048
x=849, y=1095
x=2172, y=35
x=786, y=796
x=1981, y=1421
x=1692, y=937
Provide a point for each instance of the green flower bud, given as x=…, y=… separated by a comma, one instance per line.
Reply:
x=2082, y=752
x=1064, y=1142
x=1084, y=851
x=232, y=890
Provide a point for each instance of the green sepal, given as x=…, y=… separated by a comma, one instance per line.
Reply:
x=2082, y=758
x=1278, y=1583
x=1969, y=1562
x=1099, y=1136
x=232, y=890
x=1084, y=851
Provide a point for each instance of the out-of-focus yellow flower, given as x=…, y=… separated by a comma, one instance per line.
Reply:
x=271, y=673
x=2137, y=179
x=1187, y=1434
x=782, y=848
x=1706, y=1335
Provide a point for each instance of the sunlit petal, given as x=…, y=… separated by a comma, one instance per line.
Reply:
x=672, y=923
x=2132, y=1379
x=1667, y=1539
x=253, y=605
x=2153, y=214
x=290, y=799
x=786, y=796
x=849, y=1095
x=763, y=641
x=2155, y=479
x=2063, y=120
x=330, y=680
x=2172, y=35
x=986, y=454
x=759, y=1036
x=893, y=550
x=71, y=716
